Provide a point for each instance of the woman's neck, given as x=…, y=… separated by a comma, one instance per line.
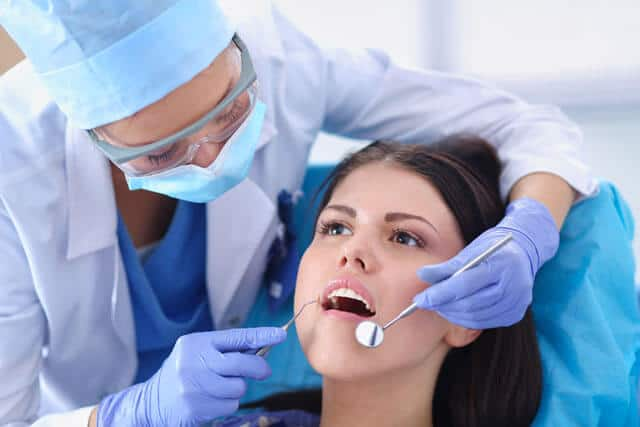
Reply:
x=397, y=399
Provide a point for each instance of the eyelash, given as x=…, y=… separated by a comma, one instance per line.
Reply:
x=233, y=114
x=325, y=227
x=420, y=242
x=156, y=159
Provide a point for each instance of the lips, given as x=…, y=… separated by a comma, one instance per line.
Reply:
x=348, y=295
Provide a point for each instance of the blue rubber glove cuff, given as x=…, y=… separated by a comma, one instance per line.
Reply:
x=116, y=409
x=543, y=238
x=203, y=378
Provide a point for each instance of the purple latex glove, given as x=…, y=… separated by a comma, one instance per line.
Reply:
x=498, y=291
x=202, y=379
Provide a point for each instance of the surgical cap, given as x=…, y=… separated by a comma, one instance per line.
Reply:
x=104, y=60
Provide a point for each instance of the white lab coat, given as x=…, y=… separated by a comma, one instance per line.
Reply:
x=66, y=326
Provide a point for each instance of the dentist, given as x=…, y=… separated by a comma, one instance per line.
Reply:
x=121, y=307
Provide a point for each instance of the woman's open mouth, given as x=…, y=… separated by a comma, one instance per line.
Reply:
x=348, y=296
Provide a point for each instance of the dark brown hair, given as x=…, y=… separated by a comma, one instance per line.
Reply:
x=497, y=379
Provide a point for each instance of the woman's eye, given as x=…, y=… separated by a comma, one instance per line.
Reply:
x=337, y=229
x=405, y=238
x=334, y=229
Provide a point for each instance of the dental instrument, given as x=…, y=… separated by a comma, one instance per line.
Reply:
x=265, y=350
x=371, y=335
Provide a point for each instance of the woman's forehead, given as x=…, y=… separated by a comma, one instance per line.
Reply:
x=383, y=186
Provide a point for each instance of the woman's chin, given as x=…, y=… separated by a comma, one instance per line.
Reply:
x=341, y=366
x=332, y=350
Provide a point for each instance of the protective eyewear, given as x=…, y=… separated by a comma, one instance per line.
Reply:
x=178, y=149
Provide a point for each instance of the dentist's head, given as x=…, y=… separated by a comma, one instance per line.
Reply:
x=166, y=89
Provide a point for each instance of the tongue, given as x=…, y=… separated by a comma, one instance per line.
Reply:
x=351, y=305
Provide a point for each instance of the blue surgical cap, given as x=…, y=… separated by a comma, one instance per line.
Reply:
x=103, y=60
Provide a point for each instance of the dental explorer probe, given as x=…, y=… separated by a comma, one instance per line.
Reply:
x=264, y=350
x=370, y=334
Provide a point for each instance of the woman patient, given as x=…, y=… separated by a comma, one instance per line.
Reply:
x=389, y=209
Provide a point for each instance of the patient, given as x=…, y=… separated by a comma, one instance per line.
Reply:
x=389, y=209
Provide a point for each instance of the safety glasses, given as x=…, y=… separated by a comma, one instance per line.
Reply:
x=176, y=149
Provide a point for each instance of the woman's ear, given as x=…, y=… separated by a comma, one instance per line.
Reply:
x=458, y=336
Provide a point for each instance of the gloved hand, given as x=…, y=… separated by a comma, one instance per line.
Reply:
x=203, y=378
x=498, y=291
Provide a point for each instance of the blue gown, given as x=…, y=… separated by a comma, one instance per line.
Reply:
x=168, y=289
x=293, y=418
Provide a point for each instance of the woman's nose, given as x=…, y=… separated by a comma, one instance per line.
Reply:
x=359, y=256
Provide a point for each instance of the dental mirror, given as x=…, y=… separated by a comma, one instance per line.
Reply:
x=371, y=335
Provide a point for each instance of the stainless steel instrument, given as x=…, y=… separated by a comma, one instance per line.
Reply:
x=371, y=335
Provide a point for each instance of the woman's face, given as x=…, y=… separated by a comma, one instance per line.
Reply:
x=381, y=224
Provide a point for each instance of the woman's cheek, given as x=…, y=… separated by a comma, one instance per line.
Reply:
x=423, y=332
x=304, y=281
x=306, y=290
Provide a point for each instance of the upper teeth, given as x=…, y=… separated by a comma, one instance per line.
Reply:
x=348, y=293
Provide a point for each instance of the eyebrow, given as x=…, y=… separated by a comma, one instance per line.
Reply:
x=344, y=209
x=389, y=216
x=399, y=216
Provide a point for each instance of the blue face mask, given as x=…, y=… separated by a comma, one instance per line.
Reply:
x=195, y=184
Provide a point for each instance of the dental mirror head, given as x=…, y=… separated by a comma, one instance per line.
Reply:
x=369, y=334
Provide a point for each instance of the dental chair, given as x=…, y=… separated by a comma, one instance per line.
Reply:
x=584, y=306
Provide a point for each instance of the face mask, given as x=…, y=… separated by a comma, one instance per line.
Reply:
x=195, y=184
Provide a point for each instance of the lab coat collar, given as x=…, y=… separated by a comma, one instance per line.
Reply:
x=237, y=223
x=92, y=216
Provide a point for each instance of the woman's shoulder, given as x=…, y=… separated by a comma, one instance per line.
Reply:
x=291, y=418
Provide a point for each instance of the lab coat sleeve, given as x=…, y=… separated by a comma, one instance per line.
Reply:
x=22, y=329
x=22, y=335
x=368, y=97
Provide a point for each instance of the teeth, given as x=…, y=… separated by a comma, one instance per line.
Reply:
x=347, y=293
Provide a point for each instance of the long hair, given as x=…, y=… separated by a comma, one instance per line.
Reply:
x=497, y=379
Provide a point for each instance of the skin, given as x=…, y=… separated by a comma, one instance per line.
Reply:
x=548, y=189
x=364, y=386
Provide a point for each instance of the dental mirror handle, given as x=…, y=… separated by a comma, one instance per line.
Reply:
x=474, y=262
